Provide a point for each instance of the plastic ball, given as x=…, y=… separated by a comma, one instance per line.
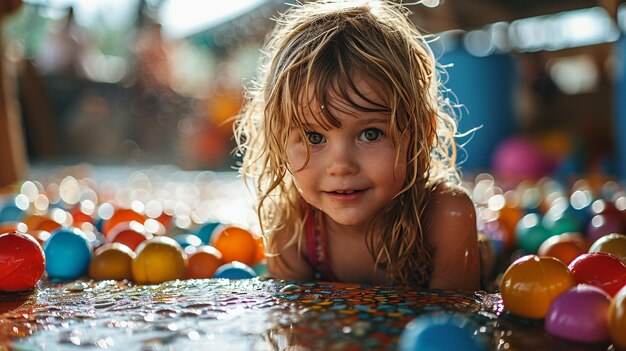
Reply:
x=22, y=261
x=119, y=216
x=260, y=250
x=206, y=230
x=112, y=261
x=235, y=244
x=599, y=269
x=498, y=235
x=68, y=254
x=559, y=223
x=531, y=283
x=441, y=332
x=235, y=270
x=158, y=260
x=80, y=217
x=13, y=226
x=530, y=233
x=617, y=318
x=566, y=247
x=603, y=224
x=612, y=243
x=518, y=159
x=185, y=240
x=508, y=218
x=260, y=268
x=579, y=314
x=203, y=261
x=39, y=222
x=130, y=234
x=11, y=213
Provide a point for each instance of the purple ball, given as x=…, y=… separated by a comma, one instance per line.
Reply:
x=580, y=314
x=603, y=224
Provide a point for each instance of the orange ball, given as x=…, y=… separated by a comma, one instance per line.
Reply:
x=531, y=283
x=158, y=260
x=566, y=247
x=39, y=222
x=617, y=318
x=130, y=234
x=235, y=244
x=260, y=250
x=611, y=243
x=13, y=226
x=80, y=217
x=508, y=217
x=203, y=261
x=112, y=261
x=119, y=216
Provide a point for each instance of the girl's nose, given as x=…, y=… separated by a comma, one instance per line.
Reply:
x=342, y=160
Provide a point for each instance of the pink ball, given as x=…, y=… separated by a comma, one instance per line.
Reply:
x=580, y=314
x=519, y=158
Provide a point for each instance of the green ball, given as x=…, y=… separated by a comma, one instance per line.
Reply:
x=530, y=233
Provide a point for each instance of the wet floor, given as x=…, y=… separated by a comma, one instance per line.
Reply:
x=253, y=314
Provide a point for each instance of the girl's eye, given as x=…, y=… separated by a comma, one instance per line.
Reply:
x=371, y=134
x=314, y=138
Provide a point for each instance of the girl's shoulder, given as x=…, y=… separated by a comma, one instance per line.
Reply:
x=449, y=194
x=449, y=210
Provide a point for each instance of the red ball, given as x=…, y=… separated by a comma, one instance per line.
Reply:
x=600, y=269
x=22, y=261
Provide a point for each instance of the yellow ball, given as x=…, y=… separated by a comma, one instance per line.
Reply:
x=158, y=260
x=611, y=243
x=112, y=261
x=617, y=318
x=531, y=283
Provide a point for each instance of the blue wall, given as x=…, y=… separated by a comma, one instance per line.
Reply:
x=620, y=107
x=486, y=88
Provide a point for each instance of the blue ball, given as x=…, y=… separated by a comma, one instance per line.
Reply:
x=205, y=231
x=68, y=254
x=441, y=332
x=11, y=213
x=235, y=270
x=187, y=240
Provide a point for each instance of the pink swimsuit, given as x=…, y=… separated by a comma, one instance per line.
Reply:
x=317, y=247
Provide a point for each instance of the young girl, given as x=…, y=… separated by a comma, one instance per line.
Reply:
x=352, y=154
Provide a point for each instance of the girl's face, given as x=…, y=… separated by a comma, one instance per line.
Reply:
x=352, y=172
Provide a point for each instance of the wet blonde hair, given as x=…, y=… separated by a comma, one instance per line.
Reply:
x=318, y=50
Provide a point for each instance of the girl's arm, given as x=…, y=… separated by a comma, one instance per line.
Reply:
x=288, y=263
x=454, y=239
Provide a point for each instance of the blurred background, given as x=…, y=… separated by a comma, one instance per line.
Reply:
x=152, y=82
